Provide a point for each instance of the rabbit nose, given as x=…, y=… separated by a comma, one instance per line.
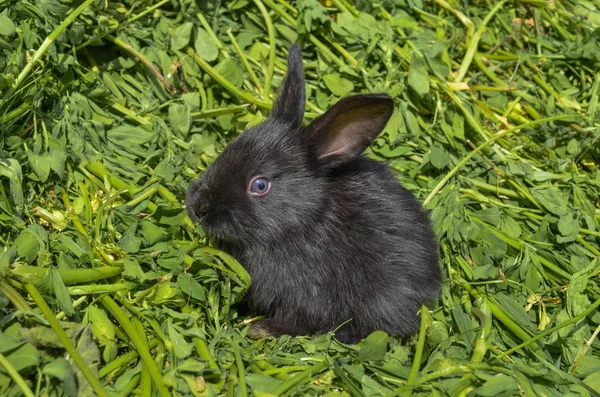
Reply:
x=197, y=209
x=200, y=209
x=196, y=204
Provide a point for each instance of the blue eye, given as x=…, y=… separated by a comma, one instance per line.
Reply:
x=259, y=186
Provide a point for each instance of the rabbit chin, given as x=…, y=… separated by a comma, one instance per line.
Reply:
x=226, y=228
x=221, y=231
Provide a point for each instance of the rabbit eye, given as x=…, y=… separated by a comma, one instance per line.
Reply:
x=259, y=186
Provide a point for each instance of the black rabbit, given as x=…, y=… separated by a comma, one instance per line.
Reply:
x=328, y=236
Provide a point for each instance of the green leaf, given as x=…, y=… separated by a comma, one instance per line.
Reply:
x=23, y=357
x=91, y=356
x=489, y=215
x=27, y=246
x=411, y=122
x=77, y=248
x=230, y=70
x=577, y=300
x=11, y=169
x=237, y=4
x=439, y=157
x=101, y=326
x=552, y=199
x=57, y=159
x=8, y=343
x=60, y=291
x=418, y=78
x=497, y=385
x=191, y=287
x=181, y=36
x=374, y=347
x=40, y=165
x=129, y=136
x=205, y=46
x=132, y=270
x=511, y=227
x=129, y=241
x=338, y=85
x=179, y=118
x=152, y=233
x=59, y=369
x=181, y=348
x=568, y=226
x=593, y=381
x=485, y=272
x=111, y=350
x=464, y=324
x=458, y=126
x=513, y=308
x=262, y=383
x=7, y=26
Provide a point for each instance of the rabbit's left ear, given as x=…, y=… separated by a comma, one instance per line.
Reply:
x=346, y=129
x=290, y=105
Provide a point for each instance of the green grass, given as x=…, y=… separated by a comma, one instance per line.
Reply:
x=109, y=109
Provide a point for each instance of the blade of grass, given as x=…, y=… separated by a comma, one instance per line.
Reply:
x=123, y=360
x=287, y=387
x=137, y=341
x=13, y=296
x=491, y=140
x=146, y=63
x=416, y=364
x=550, y=331
x=225, y=83
x=47, y=43
x=16, y=377
x=271, y=35
x=34, y=274
x=66, y=342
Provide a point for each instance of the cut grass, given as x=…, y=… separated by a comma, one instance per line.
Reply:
x=108, y=110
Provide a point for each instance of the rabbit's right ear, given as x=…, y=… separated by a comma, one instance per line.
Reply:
x=347, y=128
x=290, y=104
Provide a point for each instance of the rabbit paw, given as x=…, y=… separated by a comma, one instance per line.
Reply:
x=348, y=336
x=263, y=328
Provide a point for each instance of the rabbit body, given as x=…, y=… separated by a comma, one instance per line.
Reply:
x=330, y=239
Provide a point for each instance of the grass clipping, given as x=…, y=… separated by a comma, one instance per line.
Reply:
x=109, y=109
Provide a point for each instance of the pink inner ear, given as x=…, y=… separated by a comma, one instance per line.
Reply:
x=352, y=130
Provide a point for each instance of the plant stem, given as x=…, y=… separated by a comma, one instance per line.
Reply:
x=16, y=377
x=13, y=296
x=121, y=361
x=48, y=42
x=143, y=60
x=139, y=344
x=271, y=34
x=474, y=42
x=240, y=370
x=71, y=349
x=286, y=387
x=225, y=83
x=491, y=140
x=244, y=60
x=416, y=364
x=34, y=274
x=549, y=331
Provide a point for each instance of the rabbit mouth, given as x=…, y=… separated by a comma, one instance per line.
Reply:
x=221, y=226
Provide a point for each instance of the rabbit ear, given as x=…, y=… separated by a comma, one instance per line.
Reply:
x=291, y=103
x=346, y=129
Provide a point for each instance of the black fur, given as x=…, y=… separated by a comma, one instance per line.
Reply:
x=336, y=238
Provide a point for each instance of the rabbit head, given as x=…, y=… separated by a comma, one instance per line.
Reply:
x=271, y=180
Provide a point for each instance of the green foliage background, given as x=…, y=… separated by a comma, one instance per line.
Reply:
x=109, y=109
